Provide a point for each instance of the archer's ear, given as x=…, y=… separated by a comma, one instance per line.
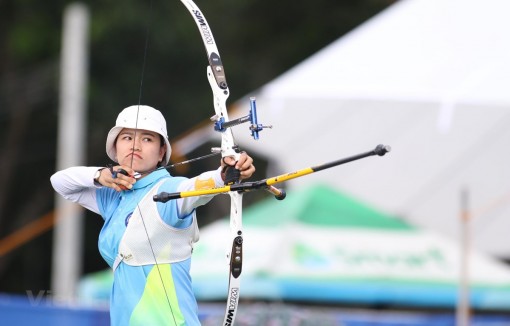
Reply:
x=162, y=153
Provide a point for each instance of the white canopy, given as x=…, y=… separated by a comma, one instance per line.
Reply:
x=428, y=78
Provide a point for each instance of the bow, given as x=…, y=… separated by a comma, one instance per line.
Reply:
x=218, y=82
x=219, y=86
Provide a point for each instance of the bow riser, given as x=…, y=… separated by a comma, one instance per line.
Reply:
x=220, y=99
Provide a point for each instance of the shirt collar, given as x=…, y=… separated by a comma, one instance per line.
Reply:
x=151, y=178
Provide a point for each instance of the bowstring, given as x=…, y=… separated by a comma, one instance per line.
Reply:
x=140, y=91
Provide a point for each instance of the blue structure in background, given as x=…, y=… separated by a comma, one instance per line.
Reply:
x=38, y=310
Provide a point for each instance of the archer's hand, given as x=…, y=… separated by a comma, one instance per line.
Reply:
x=115, y=179
x=244, y=165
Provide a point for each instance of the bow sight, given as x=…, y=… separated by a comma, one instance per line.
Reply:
x=221, y=125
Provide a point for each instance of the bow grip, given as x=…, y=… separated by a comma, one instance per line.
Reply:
x=232, y=175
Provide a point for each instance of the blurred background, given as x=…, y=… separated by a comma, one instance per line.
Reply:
x=334, y=78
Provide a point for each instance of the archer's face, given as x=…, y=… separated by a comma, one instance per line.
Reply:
x=141, y=149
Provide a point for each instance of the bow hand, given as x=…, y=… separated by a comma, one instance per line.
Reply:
x=233, y=171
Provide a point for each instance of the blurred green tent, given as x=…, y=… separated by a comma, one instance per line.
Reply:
x=319, y=245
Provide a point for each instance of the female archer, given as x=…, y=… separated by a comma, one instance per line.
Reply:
x=147, y=244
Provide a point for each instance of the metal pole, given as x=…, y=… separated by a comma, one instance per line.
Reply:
x=463, y=302
x=67, y=242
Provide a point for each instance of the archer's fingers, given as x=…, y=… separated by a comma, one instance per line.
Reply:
x=248, y=172
x=245, y=165
x=124, y=181
x=244, y=162
x=119, y=185
x=121, y=169
x=118, y=180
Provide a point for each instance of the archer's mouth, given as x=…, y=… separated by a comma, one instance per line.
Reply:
x=134, y=156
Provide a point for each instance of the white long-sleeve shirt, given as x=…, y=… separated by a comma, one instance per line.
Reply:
x=77, y=185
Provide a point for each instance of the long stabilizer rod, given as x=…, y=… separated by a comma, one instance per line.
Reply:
x=267, y=184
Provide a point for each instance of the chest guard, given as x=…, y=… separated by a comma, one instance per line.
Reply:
x=169, y=244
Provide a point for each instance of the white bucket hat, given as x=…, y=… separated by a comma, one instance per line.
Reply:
x=148, y=119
